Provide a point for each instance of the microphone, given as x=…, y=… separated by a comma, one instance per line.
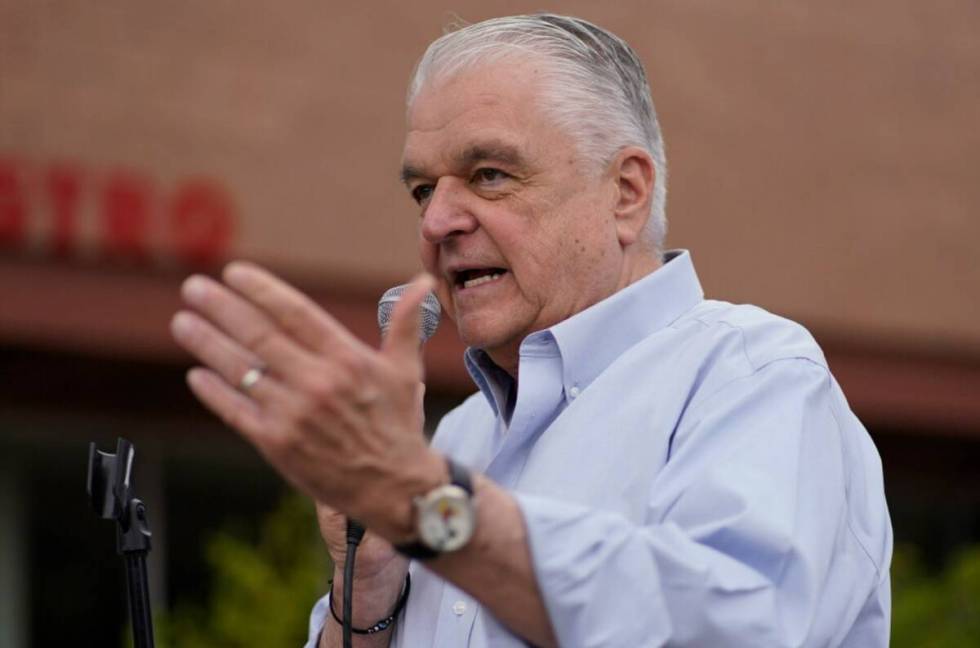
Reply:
x=431, y=312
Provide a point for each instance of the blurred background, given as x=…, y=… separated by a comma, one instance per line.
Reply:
x=824, y=161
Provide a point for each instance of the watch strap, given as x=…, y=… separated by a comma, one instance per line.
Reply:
x=458, y=476
x=416, y=550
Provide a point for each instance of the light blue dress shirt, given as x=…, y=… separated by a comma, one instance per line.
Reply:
x=690, y=475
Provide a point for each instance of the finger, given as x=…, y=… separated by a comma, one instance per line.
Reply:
x=245, y=324
x=326, y=511
x=234, y=408
x=212, y=347
x=332, y=522
x=295, y=313
x=333, y=530
x=225, y=357
x=401, y=344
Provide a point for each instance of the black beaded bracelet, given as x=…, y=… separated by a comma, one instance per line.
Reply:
x=383, y=624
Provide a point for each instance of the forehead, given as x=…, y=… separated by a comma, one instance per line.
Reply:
x=496, y=106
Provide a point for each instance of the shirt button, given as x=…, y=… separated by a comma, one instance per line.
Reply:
x=574, y=391
x=459, y=608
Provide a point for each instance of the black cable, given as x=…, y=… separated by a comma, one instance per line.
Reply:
x=354, y=534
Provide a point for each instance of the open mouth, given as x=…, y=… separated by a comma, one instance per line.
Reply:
x=476, y=276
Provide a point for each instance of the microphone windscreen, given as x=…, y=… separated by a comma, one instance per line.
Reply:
x=430, y=311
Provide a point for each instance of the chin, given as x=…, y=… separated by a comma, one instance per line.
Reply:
x=486, y=335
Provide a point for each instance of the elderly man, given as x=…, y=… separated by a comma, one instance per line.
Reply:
x=640, y=467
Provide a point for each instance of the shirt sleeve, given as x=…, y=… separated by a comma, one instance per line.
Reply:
x=318, y=619
x=766, y=527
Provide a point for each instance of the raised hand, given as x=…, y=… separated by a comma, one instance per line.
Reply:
x=337, y=418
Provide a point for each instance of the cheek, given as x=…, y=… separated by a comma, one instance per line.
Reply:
x=445, y=297
x=584, y=253
x=429, y=255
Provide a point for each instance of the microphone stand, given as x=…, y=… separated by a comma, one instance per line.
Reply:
x=111, y=496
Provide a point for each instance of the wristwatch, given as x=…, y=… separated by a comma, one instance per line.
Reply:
x=445, y=517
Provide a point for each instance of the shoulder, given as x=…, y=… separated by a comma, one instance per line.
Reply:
x=717, y=346
x=755, y=335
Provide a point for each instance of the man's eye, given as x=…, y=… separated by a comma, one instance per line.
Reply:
x=489, y=175
x=422, y=193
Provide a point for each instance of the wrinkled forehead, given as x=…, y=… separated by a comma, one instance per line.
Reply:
x=461, y=100
x=494, y=78
x=500, y=102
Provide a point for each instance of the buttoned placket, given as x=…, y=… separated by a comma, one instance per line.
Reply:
x=456, y=617
x=539, y=401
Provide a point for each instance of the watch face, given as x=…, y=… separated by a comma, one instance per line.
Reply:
x=446, y=518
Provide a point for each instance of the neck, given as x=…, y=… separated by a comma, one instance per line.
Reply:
x=508, y=358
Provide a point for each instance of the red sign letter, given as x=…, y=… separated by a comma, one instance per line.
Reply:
x=64, y=188
x=126, y=216
x=202, y=222
x=12, y=207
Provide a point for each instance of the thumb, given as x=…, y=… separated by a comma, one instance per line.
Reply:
x=401, y=343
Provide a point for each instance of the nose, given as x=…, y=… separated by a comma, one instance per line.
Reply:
x=447, y=213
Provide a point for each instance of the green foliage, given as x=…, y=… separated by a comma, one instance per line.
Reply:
x=935, y=611
x=261, y=595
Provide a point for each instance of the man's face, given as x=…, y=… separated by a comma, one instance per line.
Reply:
x=515, y=226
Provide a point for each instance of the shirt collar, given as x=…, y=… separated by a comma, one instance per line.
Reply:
x=495, y=383
x=594, y=338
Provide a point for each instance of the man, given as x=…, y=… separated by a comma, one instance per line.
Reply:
x=640, y=467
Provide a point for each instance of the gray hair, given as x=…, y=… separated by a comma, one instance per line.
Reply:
x=598, y=92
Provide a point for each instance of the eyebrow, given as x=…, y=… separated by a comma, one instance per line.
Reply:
x=495, y=151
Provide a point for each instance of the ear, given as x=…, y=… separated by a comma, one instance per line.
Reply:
x=633, y=176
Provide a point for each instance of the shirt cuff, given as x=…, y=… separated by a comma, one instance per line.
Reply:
x=318, y=619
